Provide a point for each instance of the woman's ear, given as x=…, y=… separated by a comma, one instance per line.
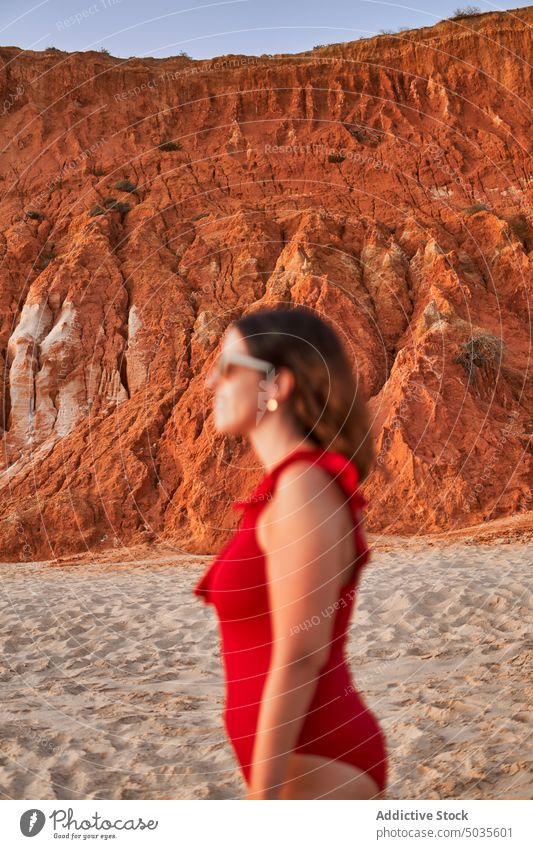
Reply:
x=285, y=382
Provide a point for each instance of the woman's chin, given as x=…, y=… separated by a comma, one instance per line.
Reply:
x=225, y=428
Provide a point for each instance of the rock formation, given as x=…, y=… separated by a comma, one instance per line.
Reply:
x=146, y=203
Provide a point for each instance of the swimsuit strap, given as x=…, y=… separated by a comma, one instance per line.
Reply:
x=344, y=470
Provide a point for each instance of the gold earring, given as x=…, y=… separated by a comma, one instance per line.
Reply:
x=272, y=404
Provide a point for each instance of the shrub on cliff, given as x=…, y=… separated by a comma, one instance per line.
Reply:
x=109, y=204
x=169, y=145
x=125, y=186
x=480, y=349
x=464, y=12
x=117, y=206
x=336, y=157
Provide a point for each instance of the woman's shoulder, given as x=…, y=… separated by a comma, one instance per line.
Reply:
x=307, y=483
x=328, y=475
x=306, y=504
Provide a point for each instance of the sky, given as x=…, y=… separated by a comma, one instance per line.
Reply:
x=205, y=29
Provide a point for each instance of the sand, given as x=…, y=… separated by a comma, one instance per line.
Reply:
x=111, y=683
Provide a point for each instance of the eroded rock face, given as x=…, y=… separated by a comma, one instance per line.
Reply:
x=384, y=182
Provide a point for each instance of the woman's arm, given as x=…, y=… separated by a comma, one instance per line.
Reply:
x=306, y=550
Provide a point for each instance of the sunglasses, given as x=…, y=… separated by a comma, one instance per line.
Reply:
x=227, y=359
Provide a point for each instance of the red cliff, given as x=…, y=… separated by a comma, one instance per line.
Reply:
x=146, y=203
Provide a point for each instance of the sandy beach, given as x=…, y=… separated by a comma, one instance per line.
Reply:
x=112, y=685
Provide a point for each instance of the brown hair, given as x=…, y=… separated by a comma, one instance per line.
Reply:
x=326, y=400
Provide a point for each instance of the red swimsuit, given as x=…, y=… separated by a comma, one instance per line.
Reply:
x=338, y=724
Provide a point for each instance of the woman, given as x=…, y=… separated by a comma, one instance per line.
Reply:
x=284, y=585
